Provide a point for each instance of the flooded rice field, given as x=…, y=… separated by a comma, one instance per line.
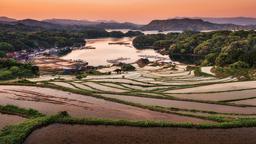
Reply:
x=220, y=96
x=251, y=102
x=103, y=88
x=114, y=85
x=64, y=84
x=6, y=120
x=185, y=104
x=50, y=101
x=127, y=81
x=77, y=134
x=218, y=87
x=82, y=86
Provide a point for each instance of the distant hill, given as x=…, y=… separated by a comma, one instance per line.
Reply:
x=35, y=23
x=4, y=19
x=99, y=24
x=78, y=24
x=106, y=21
x=117, y=25
x=232, y=20
x=70, y=22
x=188, y=24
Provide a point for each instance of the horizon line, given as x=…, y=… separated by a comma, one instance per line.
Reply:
x=120, y=21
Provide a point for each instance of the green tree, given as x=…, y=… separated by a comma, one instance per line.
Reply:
x=6, y=47
x=2, y=54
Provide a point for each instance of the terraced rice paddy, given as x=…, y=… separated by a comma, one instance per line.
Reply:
x=219, y=96
x=77, y=134
x=172, y=90
x=158, y=94
x=234, y=86
x=185, y=105
x=102, y=87
x=82, y=86
x=50, y=101
x=142, y=88
x=6, y=120
x=251, y=102
x=114, y=85
x=63, y=84
x=127, y=81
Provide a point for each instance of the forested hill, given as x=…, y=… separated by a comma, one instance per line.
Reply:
x=30, y=34
x=190, y=24
x=221, y=48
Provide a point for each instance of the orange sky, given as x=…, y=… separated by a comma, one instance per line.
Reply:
x=140, y=11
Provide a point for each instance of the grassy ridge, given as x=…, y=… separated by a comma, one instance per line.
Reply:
x=14, y=110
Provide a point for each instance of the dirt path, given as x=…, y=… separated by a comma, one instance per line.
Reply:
x=77, y=134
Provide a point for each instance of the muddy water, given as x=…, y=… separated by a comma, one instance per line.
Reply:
x=6, y=120
x=103, y=52
x=221, y=96
x=77, y=134
x=50, y=101
x=185, y=104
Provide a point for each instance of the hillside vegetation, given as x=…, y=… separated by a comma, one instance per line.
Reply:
x=31, y=35
x=233, y=50
x=11, y=69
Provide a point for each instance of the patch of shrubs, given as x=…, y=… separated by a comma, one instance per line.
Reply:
x=11, y=69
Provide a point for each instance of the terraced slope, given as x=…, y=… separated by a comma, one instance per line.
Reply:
x=150, y=93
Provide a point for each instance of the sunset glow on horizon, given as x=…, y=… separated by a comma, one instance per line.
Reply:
x=139, y=11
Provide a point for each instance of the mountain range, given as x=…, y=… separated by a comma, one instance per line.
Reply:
x=58, y=23
x=176, y=24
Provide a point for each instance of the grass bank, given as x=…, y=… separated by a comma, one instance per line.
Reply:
x=14, y=110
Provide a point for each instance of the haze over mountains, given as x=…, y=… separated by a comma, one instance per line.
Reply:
x=176, y=24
